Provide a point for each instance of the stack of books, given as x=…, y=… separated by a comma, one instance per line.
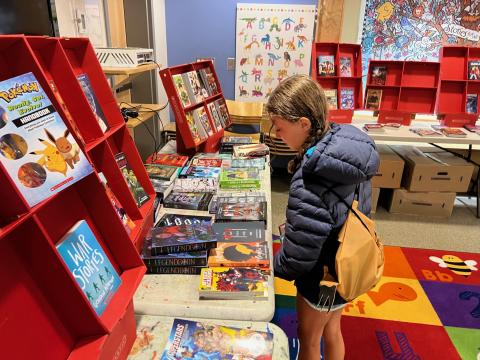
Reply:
x=240, y=178
x=228, y=142
x=250, y=151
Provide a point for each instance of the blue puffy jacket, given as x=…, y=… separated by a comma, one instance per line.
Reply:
x=343, y=158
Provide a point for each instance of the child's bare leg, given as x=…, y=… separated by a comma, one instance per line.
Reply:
x=332, y=337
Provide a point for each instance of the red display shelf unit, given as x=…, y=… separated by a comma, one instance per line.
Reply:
x=455, y=85
x=339, y=81
x=410, y=88
x=185, y=141
x=43, y=300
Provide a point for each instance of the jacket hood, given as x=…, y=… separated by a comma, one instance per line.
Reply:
x=345, y=155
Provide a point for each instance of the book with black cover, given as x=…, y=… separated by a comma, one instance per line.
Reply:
x=242, y=212
x=174, y=270
x=191, y=201
x=246, y=231
x=191, y=258
x=177, y=219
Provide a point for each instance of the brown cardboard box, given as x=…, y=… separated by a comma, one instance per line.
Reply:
x=389, y=174
x=433, y=171
x=375, y=194
x=422, y=203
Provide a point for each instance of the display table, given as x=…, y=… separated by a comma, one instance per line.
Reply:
x=153, y=333
x=177, y=295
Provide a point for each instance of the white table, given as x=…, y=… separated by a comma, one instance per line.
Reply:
x=177, y=295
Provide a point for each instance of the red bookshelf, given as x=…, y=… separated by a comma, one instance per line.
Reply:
x=39, y=293
x=339, y=81
x=185, y=141
x=410, y=87
x=455, y=85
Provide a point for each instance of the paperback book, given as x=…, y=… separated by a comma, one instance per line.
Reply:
x=191, y=258
x=137, y=190
x=347, y=99
x=374, y=128
x=193, y=87
x=197, y=136
x=326, y=65
x=258, y=163
x=231, y=254
x=178, y=219
x=240, y=178
x=346, y=66
x=241, y=212
x=472, y=103
x=251, y=150
x=174, y=270
x=425, y=132
x=474, y=70
x=203, y=86
x=223, y=111
x=181, y=89
x=161, y=172
x=236, y=197
x=201, y=117
x=373, y=99
x=215, y=116
x=331, y=95
x=202, y=172
x=36, y=148
x=170, y=160
x=190, y=201
x=379, y=75
x=93, y=101
x=207, y=162
x=246, y=231
x=195, y=185
x=89, y=265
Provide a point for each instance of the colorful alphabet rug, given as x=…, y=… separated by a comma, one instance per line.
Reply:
x=426, y=306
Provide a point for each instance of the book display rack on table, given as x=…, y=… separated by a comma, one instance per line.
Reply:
x=177, y=295
x=400, y=89
x=201, y=114
x=41, y=296
x=338, y=69
x=459, y=87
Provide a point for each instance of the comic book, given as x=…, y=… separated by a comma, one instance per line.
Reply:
x=207, y=162
x=181, y=90
x=373, y=99
x=36, y=147
x=93, y=101
x=241, y=254
x=233, y=283
x=347, y=99
x=379, y=75
x=326, y=65
x=242, y=212
x=195, y=185
x=245, y=231
x=137, y=190
x=178, y=219
x=474, y=70
x=161, y=172
x=471, y=106
x=236, y=197
x=190, y=201
x=346, y=65
x=331, y=95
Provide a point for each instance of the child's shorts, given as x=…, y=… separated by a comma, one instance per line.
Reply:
x=324, y=308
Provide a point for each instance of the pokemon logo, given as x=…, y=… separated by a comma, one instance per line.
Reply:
x=19, y=90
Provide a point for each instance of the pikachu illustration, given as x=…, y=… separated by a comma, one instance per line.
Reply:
x=455, y=264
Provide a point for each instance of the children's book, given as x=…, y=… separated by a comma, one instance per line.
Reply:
x=36, y=148
x=202, y=75
x=211, y=81
x=472, y=103
x=374, y=128
x=137, y=190
x=331, y=95
x=203, y=86
x=347, y=99
x=190, y=201
x=246, y=231
x=373, y=99
x=215, y=116
x=181, y=89
x=93, y=101
x=326, y=65
x=242, y=254
x=425, y=132
x=89, y=265
x=177, y=219
x=197, y=136
x=223, y=111
x=193, y=86
x=474, y=70
x=170, y=159
x=181, y=238
x=240, y=178
x=161, y=172
x=201, y=117
x=202, y=172
x=233, y=283
x=251, y=150
x=379, y=75
x=191, y=258
x=196, y=340
x=346, y=66
x=206, y=162
x=195, y=185
x=235, y=198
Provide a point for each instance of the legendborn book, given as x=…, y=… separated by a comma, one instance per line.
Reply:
x=89, y=265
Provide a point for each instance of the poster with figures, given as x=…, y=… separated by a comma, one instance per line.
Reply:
x=415, y=30
x=273, y=42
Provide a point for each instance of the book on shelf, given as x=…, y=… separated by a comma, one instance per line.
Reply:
x=471, y=106
x=194, y=127
x=161, y=172
x=174, y=270
x=240, y=178
x=181, y=238
x=242, y=212
x=189, y=338
x=36, y=148
x=179, y=219
x=425, y=132
x=201, y=117
x=181, y=88
x=122, y=214
x=137, y=190
x=189, y=201
x=474, y=69
x=236, y=197
x=211, y=81
x=196, y=185
x=245, y=231
x=93, y=101
x=170, y=159
x=374, y=128
x=215, y=116
x=242, y=254
x=346, y=65
x=192, y=83
x=204, y=88
x=373, y=99
x=90, y=266
x=233, y=283
x=202, y=75
x=190, y=258
x=379, y=75
x=223, y=111
x=331, y=95
x=326, y=65
x=347, y=98
x=250, y=150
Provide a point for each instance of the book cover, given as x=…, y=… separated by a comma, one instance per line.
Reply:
x=137, y=190
x=211, y=81
x=201, y=117
x=181, y=90
x=250, y=150
x=195, y=185
x=379, y=75
x=36, y=148
x=204, y=87
x=206, y=162
x=474, y=70
x=197, y=136
x=246, y=231
x=203, y=172
x=223, y=110
x=347, y=99
x=174, y=270
x=236, y=140
x=194, y=85
x=258, y=163
x=161, y=172
x=326, y=65
x=425, y=132
x=170, y=159
x=233, y=283
x=215, y=116
x=181, y=238
x=195, y=340
x=240, y=178
x=472, y=103
x=331, y=95
x=231, y=254
x=346, y=63
x=453, y=132
x=202, y=75
x=178, y=219
x=191, y=258
x=373, y=99
x=374, y=128
x=93, y=101
x=242, y=212
x=236, y=197
x=89, y=265
x=190, y=201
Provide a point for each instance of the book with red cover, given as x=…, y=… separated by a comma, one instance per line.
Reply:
x=206, y=162
x=170, y=159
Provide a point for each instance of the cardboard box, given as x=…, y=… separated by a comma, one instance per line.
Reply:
x=389, y=174
x=433, y=171
x=422, y=203
x=375, y=195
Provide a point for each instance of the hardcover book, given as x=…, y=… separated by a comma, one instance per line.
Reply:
x=326, y=65
x=331, y=95
x=93, y=101
x=231, y=254
x=191, y=258
x=379, y=75
x=347, y=99
x=241, y=212
x=177, y=219
x=161, y=172
x=139, y=194
x=171, y=159
x=346, y=66
x=474, y=70
x=181, y=89
x=373, y=99
x=195, y=185
x=190, y=201
x=181, y=238
x=472, y=103
x=247, y=231
x=233, y=283
x=196, y=340
x=89, y=265
x=36, y=148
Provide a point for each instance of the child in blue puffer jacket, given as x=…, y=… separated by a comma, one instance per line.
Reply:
x=329, y=155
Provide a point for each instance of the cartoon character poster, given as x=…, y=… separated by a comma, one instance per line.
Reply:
x=273, y=42
x=415, y=30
